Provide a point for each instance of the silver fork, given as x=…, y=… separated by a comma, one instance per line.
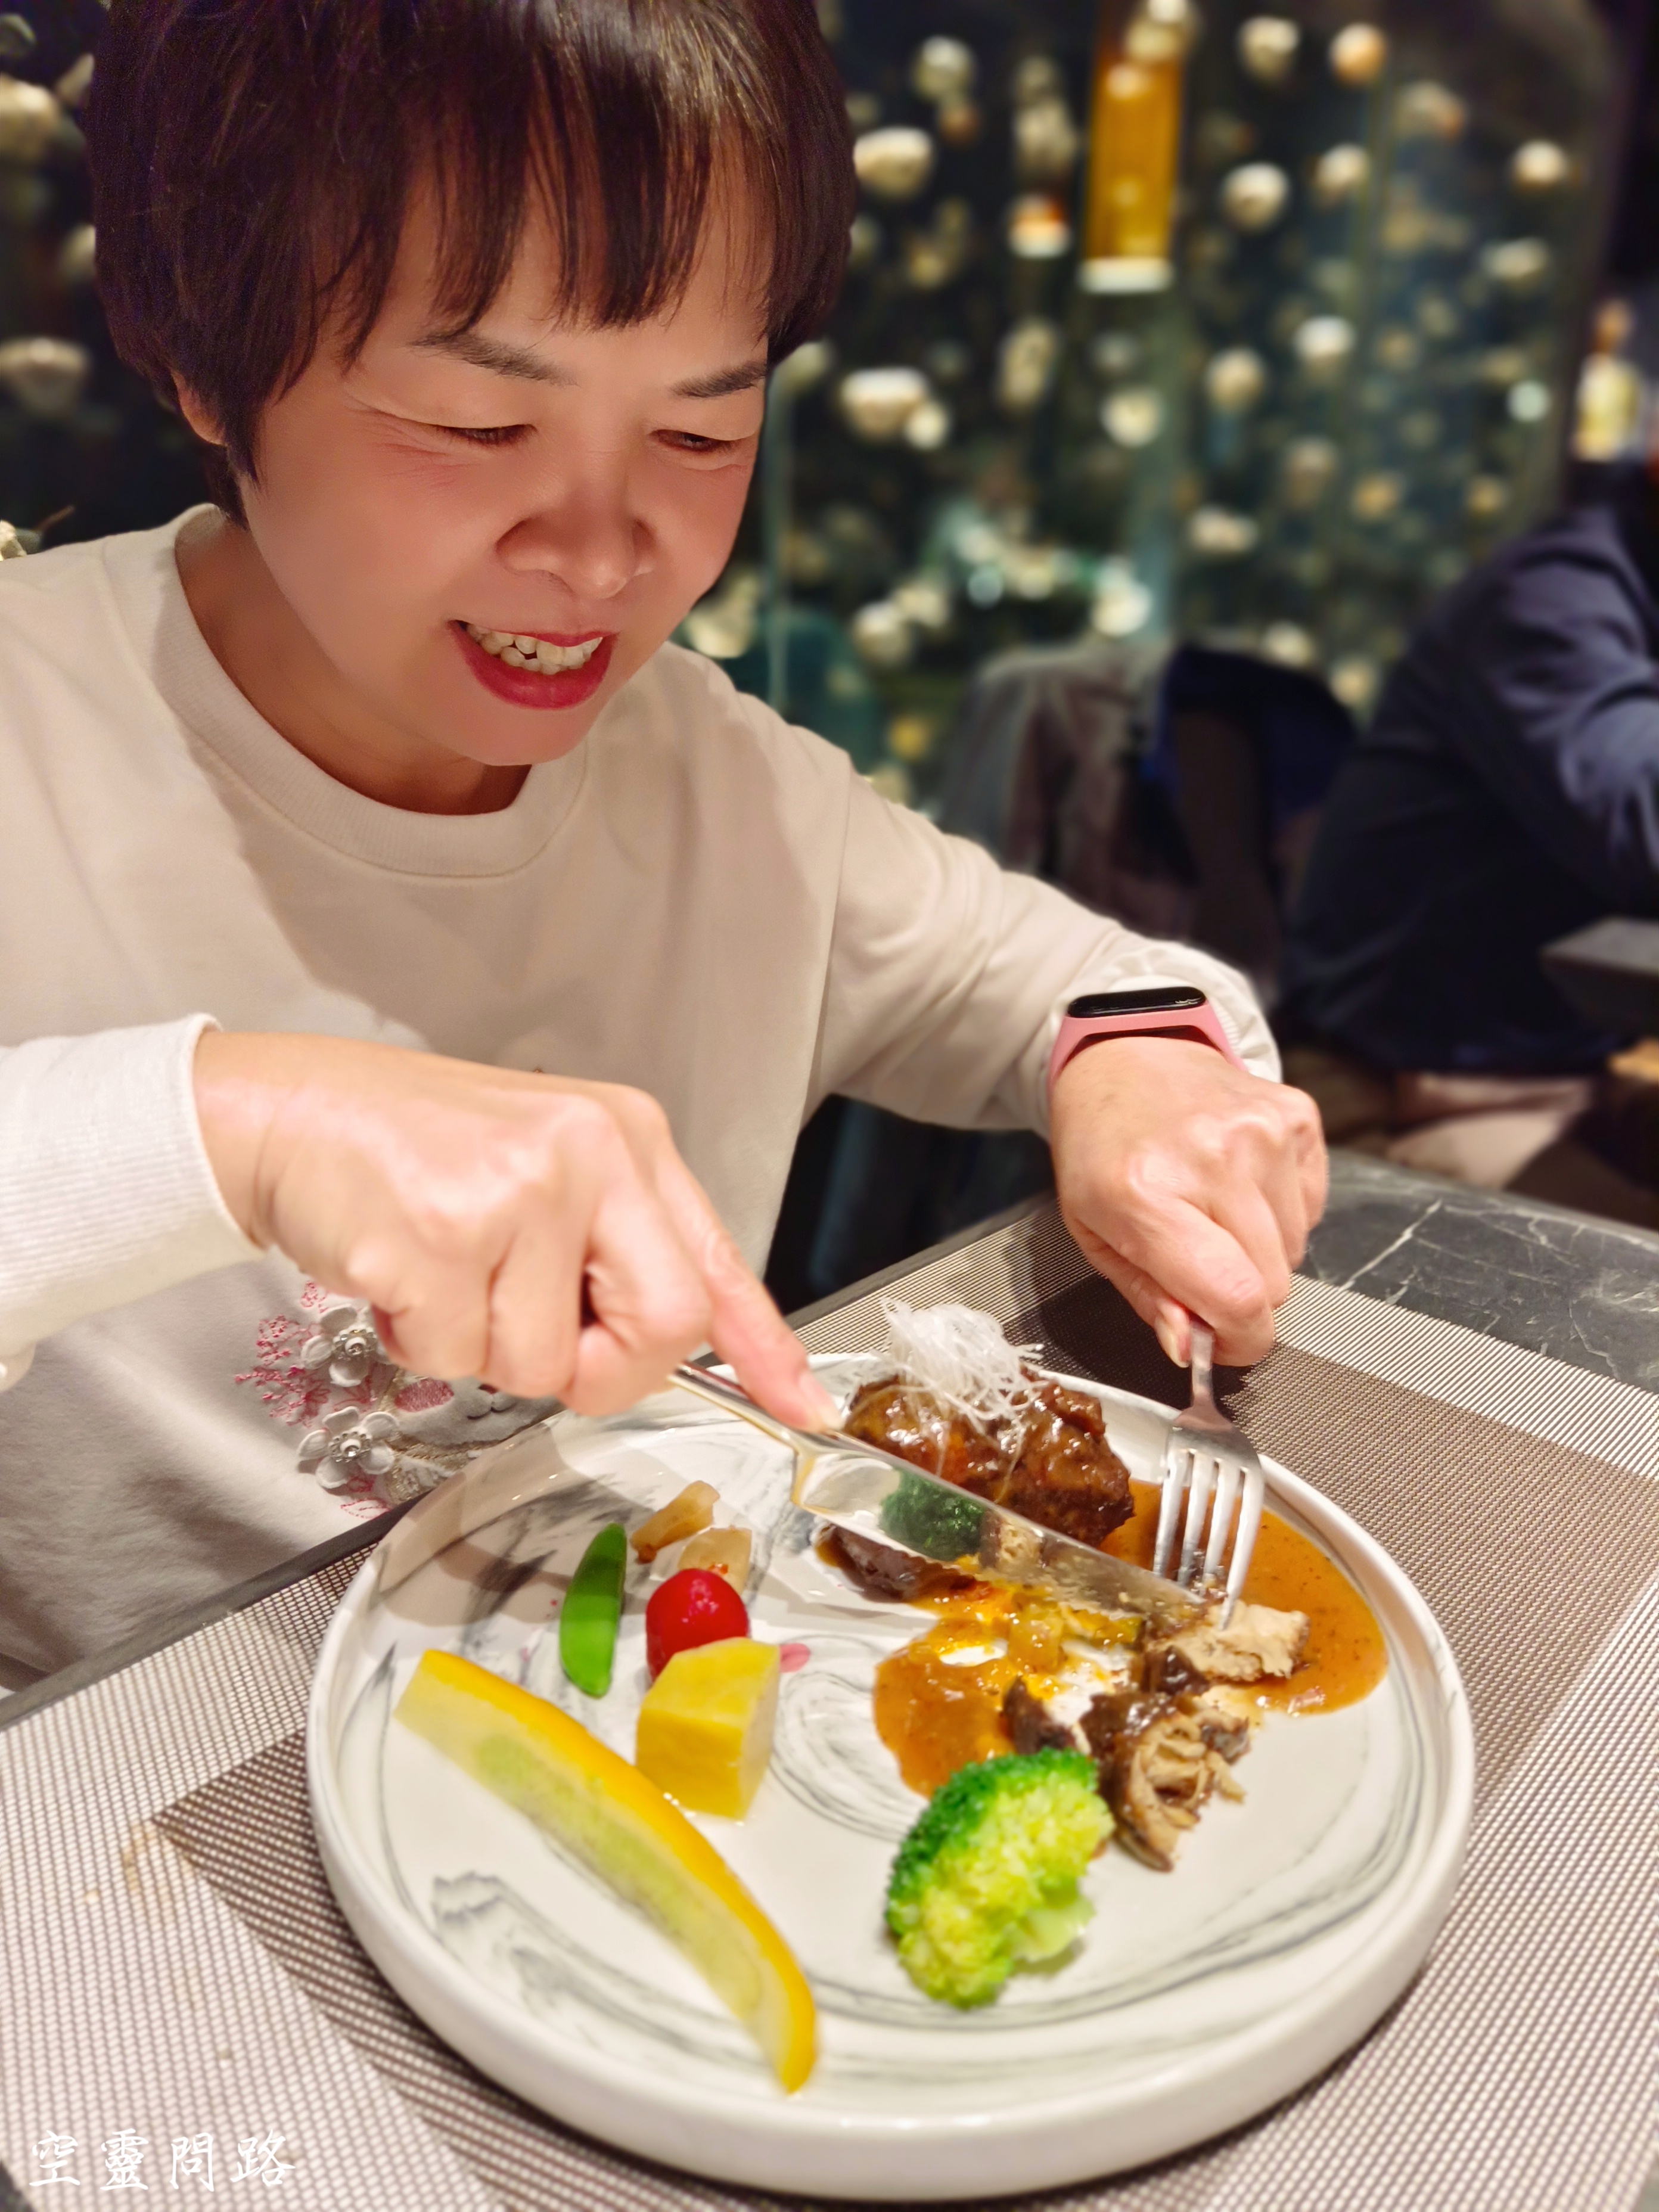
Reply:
x=1208, y=1458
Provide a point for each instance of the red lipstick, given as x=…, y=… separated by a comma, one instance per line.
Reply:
x=528, y=687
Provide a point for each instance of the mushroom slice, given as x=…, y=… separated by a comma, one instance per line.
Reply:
x=1157, y=1767
x=1225, y=1731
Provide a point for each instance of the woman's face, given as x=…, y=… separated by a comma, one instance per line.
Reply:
x=531, y=477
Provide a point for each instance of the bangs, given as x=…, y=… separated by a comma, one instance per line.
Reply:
x=253, y=162
x=613, y=125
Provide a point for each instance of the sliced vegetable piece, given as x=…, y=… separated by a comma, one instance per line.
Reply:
x=705, y=1731
x=609, y=1815
x=593, y=1608
x=931, y=1521
x=725, y=1552
x=691, y=1607
x=694, y=1509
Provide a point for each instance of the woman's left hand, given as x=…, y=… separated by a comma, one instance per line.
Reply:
x=1189, y=1184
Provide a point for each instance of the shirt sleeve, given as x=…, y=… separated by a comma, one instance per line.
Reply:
x=1560, y=717
x=948, y=976
x=107, y=1193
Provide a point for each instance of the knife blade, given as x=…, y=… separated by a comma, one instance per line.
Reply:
x=875, y=1494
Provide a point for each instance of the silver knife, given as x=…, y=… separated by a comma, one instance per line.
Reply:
x=875, y=1494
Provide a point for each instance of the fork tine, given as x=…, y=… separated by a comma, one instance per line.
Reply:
x=1250, y=1520
x=1198, y=1501
x=1175, y=1465
x=1221, y=1517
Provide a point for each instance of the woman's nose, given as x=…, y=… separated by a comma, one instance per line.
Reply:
x=587, y=537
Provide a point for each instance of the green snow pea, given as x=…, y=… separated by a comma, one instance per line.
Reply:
x=593, y=1608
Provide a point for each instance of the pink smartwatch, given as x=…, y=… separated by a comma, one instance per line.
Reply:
x=1171, y=1010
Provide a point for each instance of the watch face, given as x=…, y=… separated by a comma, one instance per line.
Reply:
x=1165, y=998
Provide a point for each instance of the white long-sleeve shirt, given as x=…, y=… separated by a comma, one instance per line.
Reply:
x=700, y=901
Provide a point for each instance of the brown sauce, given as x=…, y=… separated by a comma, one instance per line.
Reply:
x=935, y=1716
x=1346, y=1658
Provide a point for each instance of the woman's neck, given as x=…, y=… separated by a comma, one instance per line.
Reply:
x=277, y=666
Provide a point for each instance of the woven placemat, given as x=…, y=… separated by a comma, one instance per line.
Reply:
x=175, y=1965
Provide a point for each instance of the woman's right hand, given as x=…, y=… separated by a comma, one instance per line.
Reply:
x=542, y=1235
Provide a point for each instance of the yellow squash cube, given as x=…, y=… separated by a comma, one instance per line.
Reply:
x=705, y=1731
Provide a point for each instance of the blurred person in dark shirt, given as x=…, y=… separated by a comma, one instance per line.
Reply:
x=1506, y=792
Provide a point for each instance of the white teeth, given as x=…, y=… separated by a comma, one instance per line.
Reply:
x=522, y=650
x=555, y=659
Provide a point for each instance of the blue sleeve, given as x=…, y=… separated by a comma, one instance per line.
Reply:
x=1559, y=713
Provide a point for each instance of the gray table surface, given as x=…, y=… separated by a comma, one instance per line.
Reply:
x=1576, y=1288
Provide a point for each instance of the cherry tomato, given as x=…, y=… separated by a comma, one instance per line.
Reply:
x=691, y=1607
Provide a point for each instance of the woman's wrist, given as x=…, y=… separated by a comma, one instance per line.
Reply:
x=237, y=1080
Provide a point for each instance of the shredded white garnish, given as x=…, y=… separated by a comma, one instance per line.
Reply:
x=961, y=1357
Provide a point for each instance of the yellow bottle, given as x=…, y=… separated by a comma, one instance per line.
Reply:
x=1134, y=135
x=705, y=1728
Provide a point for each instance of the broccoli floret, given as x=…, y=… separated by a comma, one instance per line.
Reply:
x=986, y=1878
x=940, y=1524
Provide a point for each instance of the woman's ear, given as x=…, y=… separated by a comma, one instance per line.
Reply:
x=200, y=415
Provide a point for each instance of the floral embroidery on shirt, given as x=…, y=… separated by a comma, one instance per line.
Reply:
x=295, y=1393
x=349, y=1444
x=345, y=1344
x=374, y=1434
x=422, y=1396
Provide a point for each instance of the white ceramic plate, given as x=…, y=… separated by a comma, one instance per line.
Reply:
x=1199, y=1997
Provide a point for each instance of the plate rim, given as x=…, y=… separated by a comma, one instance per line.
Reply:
x=1064, y=2139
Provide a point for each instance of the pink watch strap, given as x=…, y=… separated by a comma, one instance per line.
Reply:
x=1198, y=1024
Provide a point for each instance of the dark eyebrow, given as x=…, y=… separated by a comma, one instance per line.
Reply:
x=480, y=352
x=503, y=360
x=723, y=383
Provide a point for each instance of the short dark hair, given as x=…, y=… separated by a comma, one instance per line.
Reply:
x=253, y=160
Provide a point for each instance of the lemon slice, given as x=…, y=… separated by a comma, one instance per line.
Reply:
x=607, y=1812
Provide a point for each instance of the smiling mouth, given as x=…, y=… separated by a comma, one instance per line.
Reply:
x=517, y=649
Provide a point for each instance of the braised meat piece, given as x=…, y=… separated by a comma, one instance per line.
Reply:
x=1257, y=1640
x=1030, y=1725
x=912, y=1425
x=1067, y=1476
x=1059, y=1470
x=879, y=1570
x=1076, y=1407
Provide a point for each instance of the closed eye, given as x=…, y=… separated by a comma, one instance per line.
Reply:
x=692, y=441
x=505, y=433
